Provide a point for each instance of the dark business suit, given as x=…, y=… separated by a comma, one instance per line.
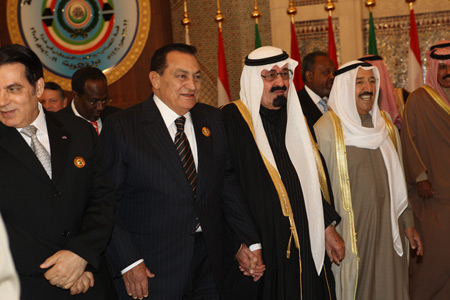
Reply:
x=72, y=211
x=310, y=109
x=156, y=205
x=103, y=116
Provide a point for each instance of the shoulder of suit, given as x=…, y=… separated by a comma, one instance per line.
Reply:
x=67, y=121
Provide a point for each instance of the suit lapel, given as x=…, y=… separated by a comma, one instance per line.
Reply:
x=59, y=143
x=156, y=133
x=204, y=138
x=13, y=143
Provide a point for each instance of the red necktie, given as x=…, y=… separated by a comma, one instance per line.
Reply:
x=95, y=124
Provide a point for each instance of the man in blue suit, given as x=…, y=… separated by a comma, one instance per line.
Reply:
x=175, y=189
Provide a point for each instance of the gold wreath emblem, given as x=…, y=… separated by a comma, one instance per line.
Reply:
x=206, y=132
x=79, y=162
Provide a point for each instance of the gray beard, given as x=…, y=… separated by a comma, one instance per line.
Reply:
x=446, y=92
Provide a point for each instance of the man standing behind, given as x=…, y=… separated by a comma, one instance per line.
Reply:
x=53, y=98
x=56, y=199
x=359, y=146
x=426, y=145
x=317, y=74
x=90, y=97
x=168, y=159
x=273, y=156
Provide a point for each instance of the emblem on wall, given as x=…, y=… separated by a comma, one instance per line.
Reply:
x=71, y=34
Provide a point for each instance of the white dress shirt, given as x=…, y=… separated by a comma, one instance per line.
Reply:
x=41, y=133
x=315, y=98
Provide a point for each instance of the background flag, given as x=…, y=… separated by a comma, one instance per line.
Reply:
x=295, y=54
x=223, y=89
x=372, y=39
x=332, y=43
x=415, y=73
x=257, y=37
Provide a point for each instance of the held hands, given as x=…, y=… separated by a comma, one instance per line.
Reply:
x=334, y=245
x=414, y=240
x=85, y=282
x=136, y=281
x=250, y=262
x=66, y=268
x=424, y=189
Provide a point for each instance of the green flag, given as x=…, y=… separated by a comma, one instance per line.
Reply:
x=257, y=37
x=372, y=39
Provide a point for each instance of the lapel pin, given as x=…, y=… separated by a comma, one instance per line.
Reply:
x=206, y=132
x=79, y=162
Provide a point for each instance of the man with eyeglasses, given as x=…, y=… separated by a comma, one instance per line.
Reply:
x=273, y=156
x=90, y=97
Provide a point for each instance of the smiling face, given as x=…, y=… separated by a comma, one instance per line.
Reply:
x=179, y=84
x=444, y=75
x=365, y=90
x=274, y=89
x=18, y=98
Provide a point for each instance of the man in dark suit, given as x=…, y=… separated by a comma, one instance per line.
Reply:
x=90, y=97
x=168, y=160
x=317, y=74
x=57, y=201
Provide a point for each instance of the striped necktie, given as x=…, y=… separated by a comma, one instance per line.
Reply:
x=38, y=149
x=95, y=124
x=185, y=153
x=323, y=103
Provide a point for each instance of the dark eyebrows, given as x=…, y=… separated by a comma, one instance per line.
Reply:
x=14, y=85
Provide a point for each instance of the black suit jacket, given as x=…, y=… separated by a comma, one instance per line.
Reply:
x=73, y=211
x=155, y=203
x=103, y=116
x=310, y=109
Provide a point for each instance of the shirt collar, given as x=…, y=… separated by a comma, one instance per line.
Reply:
x=315, y=98
x=39, y=122
x=168, y=115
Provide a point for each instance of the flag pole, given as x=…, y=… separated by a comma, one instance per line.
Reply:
x=295, y=53
x=372, y=38
x=415, y=72
x=223, y=89
x=185, y=22
x=256, y=14
x=329, y=7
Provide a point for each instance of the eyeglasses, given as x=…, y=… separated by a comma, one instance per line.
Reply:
x=95, y=102
x=272, y=75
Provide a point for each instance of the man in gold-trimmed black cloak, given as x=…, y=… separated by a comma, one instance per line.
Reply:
x=275, y=162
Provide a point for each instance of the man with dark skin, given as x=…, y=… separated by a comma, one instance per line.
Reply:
x=317, y=74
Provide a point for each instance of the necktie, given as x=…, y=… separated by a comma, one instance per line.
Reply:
x=185, y=153
x=95, y=124
x=323, y=103
x=38, y=149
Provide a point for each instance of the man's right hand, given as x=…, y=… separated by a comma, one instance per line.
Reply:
x=250, y=262
x=136, y=281
x=424, y=189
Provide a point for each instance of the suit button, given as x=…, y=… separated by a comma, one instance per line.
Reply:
x=65, y=233
x=57, y=194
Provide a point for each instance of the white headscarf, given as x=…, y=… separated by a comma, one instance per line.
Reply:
x=342, y=101
x=298, y=142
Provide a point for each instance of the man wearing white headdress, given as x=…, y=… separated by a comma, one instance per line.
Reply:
x=426, y=148
x=275, y=162
x=360, y=147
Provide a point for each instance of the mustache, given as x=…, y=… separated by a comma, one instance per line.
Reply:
x=446, y=76
x=278, y=88
x=365, y=94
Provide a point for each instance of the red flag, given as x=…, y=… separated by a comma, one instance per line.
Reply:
x=415, y=73
x=295, y=54
x=223, y=89
x=332, y=43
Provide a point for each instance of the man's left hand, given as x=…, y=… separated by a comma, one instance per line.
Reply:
x=83, y=283
x=414, y=240
x=65, y=268
x=334, y=245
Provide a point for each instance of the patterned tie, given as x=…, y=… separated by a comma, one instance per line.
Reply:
x=185, y=153
x=38, y=149
x=323, y=103
x=95, y=124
